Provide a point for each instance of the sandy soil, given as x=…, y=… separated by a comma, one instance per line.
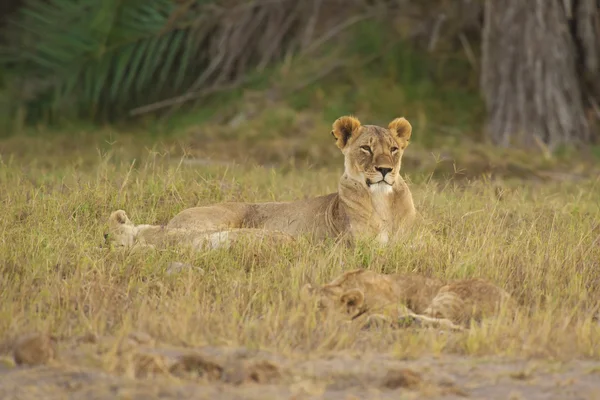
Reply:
x=136, y=367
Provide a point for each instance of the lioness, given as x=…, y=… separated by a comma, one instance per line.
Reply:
x=372, y=202
x=430, y=301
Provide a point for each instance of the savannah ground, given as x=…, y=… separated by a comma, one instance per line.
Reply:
x=228, y=323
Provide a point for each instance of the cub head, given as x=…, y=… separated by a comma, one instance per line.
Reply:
x=353, y=294
x=335, y=301
x=373, y=154
x=121, y=231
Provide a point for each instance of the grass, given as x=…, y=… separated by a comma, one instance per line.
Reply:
x=527, y=223
x=540, y=242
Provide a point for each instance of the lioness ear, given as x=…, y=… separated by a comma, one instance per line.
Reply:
x=353, y=298
x=343, y=129
x=402, y=130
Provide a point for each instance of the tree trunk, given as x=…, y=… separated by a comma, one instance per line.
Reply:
x=587, y=32
x=530, y=78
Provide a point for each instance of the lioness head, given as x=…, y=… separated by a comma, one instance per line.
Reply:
x=373, y=154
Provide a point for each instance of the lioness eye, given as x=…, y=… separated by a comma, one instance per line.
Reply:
x=394, y=149
x=366, y=148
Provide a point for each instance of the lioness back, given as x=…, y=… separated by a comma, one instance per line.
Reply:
x=317, y=217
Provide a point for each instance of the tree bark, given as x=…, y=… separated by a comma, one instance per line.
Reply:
x=587, y=32
x=530, y=78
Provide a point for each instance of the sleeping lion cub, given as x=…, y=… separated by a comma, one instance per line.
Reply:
x=372, y=201
x=393, y=297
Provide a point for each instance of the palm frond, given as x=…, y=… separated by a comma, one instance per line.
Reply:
x=101, y=58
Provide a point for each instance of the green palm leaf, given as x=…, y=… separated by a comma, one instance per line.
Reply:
x=102, y=58
x=102, y=55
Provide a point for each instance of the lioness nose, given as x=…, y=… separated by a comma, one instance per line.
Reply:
x=384, y=171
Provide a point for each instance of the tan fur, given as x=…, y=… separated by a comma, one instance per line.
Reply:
x=35, y=349
x=468, y=299
x=123, y=232
x=428, y=300
x=372, y=202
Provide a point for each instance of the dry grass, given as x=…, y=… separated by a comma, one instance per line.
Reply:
x=540, y=243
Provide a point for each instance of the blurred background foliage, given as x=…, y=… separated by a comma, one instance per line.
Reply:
x=119, y=60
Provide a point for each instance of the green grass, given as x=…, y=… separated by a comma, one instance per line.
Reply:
x=541, y=243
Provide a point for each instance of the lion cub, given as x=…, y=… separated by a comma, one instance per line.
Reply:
x=428, y=301
x=123, y=232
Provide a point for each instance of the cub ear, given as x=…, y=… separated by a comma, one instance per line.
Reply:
x=353, y=298
x=402, y=130
x=345, y=128
x=119, y=217
x=306, y=292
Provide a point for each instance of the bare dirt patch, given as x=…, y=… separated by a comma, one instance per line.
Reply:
x=137, y=367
